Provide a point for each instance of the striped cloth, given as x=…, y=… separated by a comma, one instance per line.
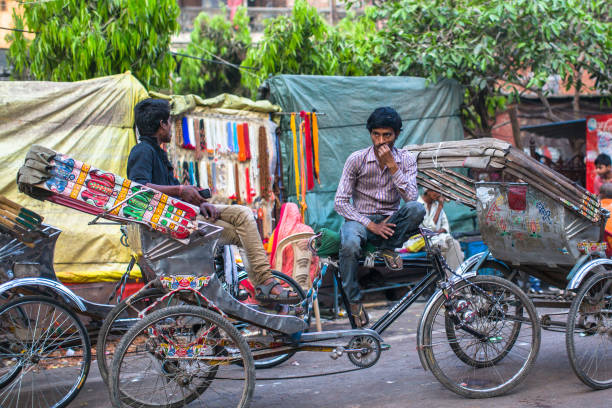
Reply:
x=374, y=191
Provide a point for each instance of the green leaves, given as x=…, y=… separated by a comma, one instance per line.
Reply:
x=304, y=43
x=213, y=38
x=79, y=40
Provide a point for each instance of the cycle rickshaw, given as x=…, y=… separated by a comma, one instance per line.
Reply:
x=537, y=223
x=479, y=335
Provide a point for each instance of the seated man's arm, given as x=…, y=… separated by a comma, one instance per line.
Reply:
x=342, y=202
x=404, y=178
x=444, y=225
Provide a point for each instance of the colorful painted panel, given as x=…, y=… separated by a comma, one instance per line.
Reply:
x=96, y=191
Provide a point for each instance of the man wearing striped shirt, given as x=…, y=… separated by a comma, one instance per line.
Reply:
x=373, y=181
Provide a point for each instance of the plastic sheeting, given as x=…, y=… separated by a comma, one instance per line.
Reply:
x=92, y=120
x=429, y=114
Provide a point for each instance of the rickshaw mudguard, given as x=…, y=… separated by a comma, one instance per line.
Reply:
x=437, y=294
x=585, y=271
x=232, y=307
x=54, y=286
x=474, y=260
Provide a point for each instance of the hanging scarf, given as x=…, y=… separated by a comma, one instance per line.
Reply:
x=210, y=173
x=236, y=180
x=247, y=142
x=303, y=205
x=178, y=132
x=315, y=145
x=202, y=136
x=249, y=194
x=235, y=137
x=191, y=135
x=309, y=172
x=203, y=173
x=264, y=174
x=242, y=148
x=192, y=179
x=296, y=168
x=230, y=137
x=198, y=140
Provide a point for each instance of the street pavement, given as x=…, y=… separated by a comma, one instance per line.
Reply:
x=397, y=380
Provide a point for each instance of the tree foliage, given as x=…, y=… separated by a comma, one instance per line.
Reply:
x=77, y=40
x=215, y=38
x=303, y=43
x=497, y=47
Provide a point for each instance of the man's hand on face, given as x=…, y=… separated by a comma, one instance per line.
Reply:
x=441, y=200
x=384, y=229
x=209, y=211
x=191, y=195
x=386, y=158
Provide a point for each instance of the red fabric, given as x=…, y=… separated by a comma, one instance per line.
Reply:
x=247, y=143
x=309, y=170
x=290, y=223
x=249, y=196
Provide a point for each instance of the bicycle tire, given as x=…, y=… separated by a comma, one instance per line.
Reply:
x=102, y=354
x=41, y=350
x=226, y=334
x=470, y=381
x=595, y=330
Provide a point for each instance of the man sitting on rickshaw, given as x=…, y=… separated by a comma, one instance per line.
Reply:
x=375, y=179
x=148, y=164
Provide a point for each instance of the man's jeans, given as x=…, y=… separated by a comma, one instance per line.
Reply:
x=354, y=235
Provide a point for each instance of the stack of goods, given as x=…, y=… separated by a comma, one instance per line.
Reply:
x=435, y=159
x=63, y=180
x=233, y=156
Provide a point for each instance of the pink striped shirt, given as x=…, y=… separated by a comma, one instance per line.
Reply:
x=374, y=191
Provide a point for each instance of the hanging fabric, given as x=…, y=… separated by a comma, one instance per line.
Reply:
x=198, y=143
x=231, y=182
x=203, y=173
x=192, y=179
x=185, y=174
x=308, y=139
x=237, y=181
x=202, y=136
x=315, y=145
x=178, y=132
x=191, y=135
x=302, y=201
x=249, y=194
x=264, y=175
x=210, y=174
x=296, y=168
x=230, y=137
x=235, y=137
x=241, y=147
x=247, y=142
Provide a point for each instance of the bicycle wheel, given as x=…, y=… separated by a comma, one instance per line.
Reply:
x=174, y=355
x=494, y=324
x=44, y=353
x=117, y=323
x=589, y=332
x=287, y=282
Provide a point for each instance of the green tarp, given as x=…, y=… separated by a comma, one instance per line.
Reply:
x=429, y=114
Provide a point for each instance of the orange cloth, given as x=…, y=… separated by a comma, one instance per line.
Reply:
x=290, y=223
x=607, y=204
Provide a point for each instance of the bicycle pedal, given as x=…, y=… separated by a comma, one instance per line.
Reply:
x=385, y=346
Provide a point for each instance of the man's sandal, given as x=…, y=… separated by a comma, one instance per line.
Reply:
x=360, y=316
x=392, y=259
x=264, y=294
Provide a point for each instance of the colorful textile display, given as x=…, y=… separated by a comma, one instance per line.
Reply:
x=63, y=180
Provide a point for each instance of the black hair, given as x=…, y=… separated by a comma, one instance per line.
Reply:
x=383, y=118
x=148, y=113
x=603, y=159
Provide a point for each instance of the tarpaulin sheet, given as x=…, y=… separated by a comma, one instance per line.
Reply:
x=91, y=120
x=429, y=113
